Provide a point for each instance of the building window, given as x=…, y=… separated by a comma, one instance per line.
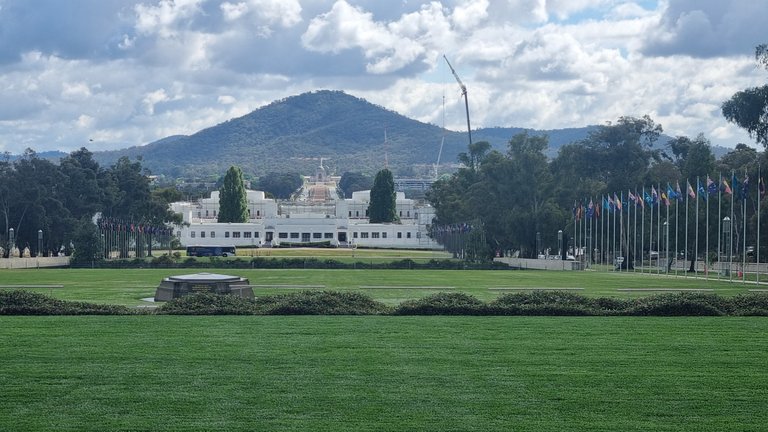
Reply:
x=305, y=237
x=247, y=234
x=249, y=213
x=354, y=235
x=399, y=235
x=328, y=235
x=214, y=213
x=256, y=234
x=213, y=234
x=192, y=234
x=350, y=213
x=294, y=235
x=364, y=235
x=202, y=234
x=258, y=213
x=357, y=213
x=401, y=213
x=236, y=234
x=374, y=235
x=282, y=235
x=199, y=215
x=317, y=235
x=408, y=235
x=206, y=213
x=366, y=213
x=226, y=234
x=408, y=213
x=383, y=235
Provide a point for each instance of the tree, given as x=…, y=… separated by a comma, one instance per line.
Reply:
x=382, y=208
x=233, y=206
x=88, y=244
x=749, y=108
x=280, y=185
x=353, y=182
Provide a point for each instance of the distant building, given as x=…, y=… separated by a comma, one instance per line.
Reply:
x=316, y=214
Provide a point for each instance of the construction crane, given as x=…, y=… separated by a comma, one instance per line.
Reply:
x=463, y=93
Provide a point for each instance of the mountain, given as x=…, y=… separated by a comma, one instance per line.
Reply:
x=292, y=134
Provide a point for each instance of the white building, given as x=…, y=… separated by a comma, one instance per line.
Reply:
x=316, y=214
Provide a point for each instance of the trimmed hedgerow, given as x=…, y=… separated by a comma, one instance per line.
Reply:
x=561, y=303
x=19, y=302
x=679, y=304
x=443, y=303
x=320, y=303
x=208, y=304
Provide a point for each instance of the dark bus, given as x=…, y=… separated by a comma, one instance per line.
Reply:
x=203, y=251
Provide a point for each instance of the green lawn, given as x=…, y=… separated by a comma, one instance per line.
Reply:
x=128, y=287
x=167, y=373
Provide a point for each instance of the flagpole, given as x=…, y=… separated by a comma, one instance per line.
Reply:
x=642, y=233
x=658, y=231
x=687, y=194
x=706, y=232
x=696, y=248
x=719, y=210
x=602, y=229
x=745, y=185
x=634, y=244
x=730, y=228
x=677, y=220
x=760, y=185
x=667, y=262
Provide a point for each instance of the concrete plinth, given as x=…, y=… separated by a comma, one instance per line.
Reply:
x=179, y=286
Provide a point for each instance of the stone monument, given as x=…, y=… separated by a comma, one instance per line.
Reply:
x=179, y=286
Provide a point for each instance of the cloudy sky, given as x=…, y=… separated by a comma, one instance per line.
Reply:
x=109, y=74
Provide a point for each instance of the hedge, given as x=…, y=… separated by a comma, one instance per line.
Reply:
x=554, y=303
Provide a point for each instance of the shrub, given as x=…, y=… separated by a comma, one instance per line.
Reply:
x=320, y=303
x=442, y=303
x=554, y=303
x=19, y=302
x=679, y=304
x=754, y=304
x=208, y=304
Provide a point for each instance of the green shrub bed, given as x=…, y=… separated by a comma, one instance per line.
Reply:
x=541, y=303
x=20, y=302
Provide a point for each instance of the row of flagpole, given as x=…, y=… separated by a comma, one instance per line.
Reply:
x=587, y=213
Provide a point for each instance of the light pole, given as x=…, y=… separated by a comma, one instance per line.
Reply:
x=727, y=241
x=560, y=243
x=39, y=243
x=538, y=244
x=666, y=244
x=11, y=243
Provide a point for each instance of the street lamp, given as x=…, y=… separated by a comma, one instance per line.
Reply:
x=11, y=243
x=727, y=242
x=560, y=244
x=666, y=244
x=538, y=244
x=39, y=243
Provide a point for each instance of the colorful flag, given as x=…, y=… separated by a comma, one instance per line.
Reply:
x=711, y=186
x=745, y=187
x=724, y=185
x=590, y=209
x=700, y=189
x=639, y=200
x=691, y=192
x=617, y=201
x=631, y=197
x=654, y=195
x=678, y=192
x=670, y=192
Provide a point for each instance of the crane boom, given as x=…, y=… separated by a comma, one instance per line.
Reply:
x=463, y=93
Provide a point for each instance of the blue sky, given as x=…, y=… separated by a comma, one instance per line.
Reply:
x=109, y=74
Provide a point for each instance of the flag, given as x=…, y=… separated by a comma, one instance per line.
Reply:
x=664, y=199
x=617, y=201
x=678, y=192
x=711, y=186
x=745, y=187
x=724, y=185
x=590, y=209
x=700, y=190
x=691, y=192
x=735, y=184
x=654, y=195
x=648, y=199
x=597, y=211
x=631, y=197
x=761, y=186
x=670, y=192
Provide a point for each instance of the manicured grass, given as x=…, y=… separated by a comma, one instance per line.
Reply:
x=383, y=373
x=129, y=286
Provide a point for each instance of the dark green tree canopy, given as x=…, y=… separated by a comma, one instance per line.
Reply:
x=233, y=205
x=749, y=108
x=382, y=207
x=280, y=185
x=353, y=182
